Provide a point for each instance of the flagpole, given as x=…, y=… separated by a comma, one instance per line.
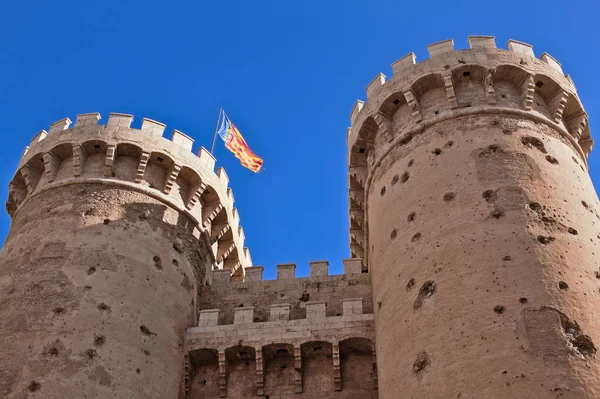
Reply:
x=216, y=128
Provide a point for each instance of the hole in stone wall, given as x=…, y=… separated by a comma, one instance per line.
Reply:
x=523, y=300
x=410, y=284
x=393, y=234
x=159, y=159
x=572, y=231
x=530, y=141
x=545, y=240
x=436, y=151
x=449, y=196
x=466, y=73
x=410, y=163
x=99, y=340
x=426, y=291
x=539, y=84
x=551, y=159
x=489, y=195
x=96, y=146
x=382, y=191
x=395, y=179
x=421, y=363
x=34, y=386
x=411, y=216
x=499, y=309
x=563, y=286
x=396, y=102
x=405, y=177
x=361, y=150
x=416, y=237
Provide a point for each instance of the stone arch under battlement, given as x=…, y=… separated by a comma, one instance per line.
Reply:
x=453, y=84
x=141, y=160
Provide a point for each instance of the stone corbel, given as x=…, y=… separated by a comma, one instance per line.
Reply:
x=260, y=376
x=51, y=164
x=109, y=160
x=172, y=174
x=195, y=193
x=488, y=86
x=449, y=85
x=413, y=103
x=139, y=174
x=337, y=375
x=528, y=91
x=576, y=125
x=297, y=369
x=557, y=105
x=222, y=374
x=384, y=123
x=79, y=158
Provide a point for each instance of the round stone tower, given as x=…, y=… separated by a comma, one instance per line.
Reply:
x=113, y=232
x=472, y=207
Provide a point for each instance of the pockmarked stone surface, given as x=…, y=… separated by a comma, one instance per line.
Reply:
x=473, y=239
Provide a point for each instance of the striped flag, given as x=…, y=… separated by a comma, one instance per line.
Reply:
x=235, y=143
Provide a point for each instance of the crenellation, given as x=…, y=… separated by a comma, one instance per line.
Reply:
x=59, y=126
x=356, y=109
x=285, y=271
x=243, y=315
x=37, y=138
x=445, y=46
x=375, y=84
x=183, y=140
x=552, y=62
x=315, y=310
x=482, y=42
x=206, y=159
x=254, y=273
x=319, y=268
x=403, y=63
x=88, y=119
x=520, y=48
x=208, y=318
x=121, y=120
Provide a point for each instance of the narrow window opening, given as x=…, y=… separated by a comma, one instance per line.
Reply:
x=160, y=159
x=539, y=84
x=396, y=102
x=361, y=150
x=97, y=146
x=466, y=74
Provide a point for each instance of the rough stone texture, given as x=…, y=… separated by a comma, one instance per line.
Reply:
x=473, y=232
x=484, y=258
x=85, y=311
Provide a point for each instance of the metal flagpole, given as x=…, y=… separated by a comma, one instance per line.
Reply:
x=216, y=128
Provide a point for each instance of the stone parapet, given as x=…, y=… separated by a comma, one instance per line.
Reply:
x=141, y=160
x=450, y=84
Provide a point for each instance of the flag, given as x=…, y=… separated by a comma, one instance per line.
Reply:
x=235, y=143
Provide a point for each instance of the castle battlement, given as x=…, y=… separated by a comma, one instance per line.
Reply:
x=455, y=84
x=142, y=160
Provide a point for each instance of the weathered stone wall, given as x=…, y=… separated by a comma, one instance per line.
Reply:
x=479, y=222
x=113, y=232
x=94, y=298
x=285, y=337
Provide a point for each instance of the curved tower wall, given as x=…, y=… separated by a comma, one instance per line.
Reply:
x=114, y=231
x=472, y=207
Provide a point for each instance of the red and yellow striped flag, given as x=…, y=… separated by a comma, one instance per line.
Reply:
x=235, y=143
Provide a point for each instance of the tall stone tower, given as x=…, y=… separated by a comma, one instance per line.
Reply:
x=472, y=208
x=113, y=232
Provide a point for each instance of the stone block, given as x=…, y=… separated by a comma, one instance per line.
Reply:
x=375, y=84
x=38, y=137
x=253, y=273
x=552, y=62
x=520, y=48
x=285, y=271
x=221, y=276
x=352, y=266
x=243, y=315
x=59, y=126
x=405, y=62
x=279, y=311
x=87, y=119
x=352, y=307
x=153, y=127
x=476, y=42
x=182, y=139
x=208, y=317
x=445, y=46
x=315, y=310
x=206, y=158
x=116, y=119
x=319, y=268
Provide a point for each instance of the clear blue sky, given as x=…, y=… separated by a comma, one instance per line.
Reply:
x=287, y=73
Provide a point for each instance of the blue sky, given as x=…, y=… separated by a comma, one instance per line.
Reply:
x=287, y=73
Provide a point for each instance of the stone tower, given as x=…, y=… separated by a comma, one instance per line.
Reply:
x=472, y=207
x=113, y=232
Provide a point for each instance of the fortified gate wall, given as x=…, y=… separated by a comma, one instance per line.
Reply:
x=310, y=335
